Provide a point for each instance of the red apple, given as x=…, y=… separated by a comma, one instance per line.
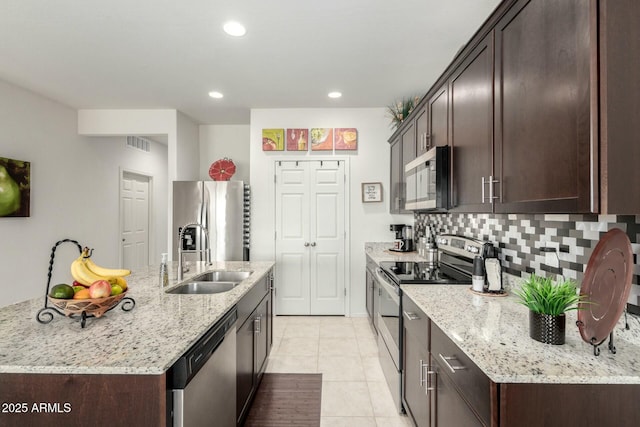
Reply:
x=76, y=283
x=100, y=289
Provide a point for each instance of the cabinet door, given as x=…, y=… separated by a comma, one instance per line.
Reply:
x=438, y=119
x=244, y=366
x=261, y=333
x=376, y=303
x=450, y=408
x=415, y=362
x=471, y=88
x=396, y=186
x=369, y=294
x=408, y=144
x=422, y=130
x=542, y=107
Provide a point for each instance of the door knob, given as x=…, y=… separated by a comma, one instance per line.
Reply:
x=306, y=244
x=313, y=243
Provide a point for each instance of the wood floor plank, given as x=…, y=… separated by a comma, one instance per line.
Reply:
x=287, y=400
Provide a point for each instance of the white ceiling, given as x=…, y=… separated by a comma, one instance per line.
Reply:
x=171, y=53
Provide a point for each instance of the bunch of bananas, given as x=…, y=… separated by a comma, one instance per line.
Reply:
x=86, y=272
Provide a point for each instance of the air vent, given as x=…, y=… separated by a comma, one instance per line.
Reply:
x=139, y=143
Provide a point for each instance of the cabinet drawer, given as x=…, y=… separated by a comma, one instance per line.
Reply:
x=415, y=322
x=472, y=384
x=251, y=299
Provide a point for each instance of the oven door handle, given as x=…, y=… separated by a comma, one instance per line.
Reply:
x=391, y=288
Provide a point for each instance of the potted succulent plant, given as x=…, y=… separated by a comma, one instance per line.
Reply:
x=547, y=302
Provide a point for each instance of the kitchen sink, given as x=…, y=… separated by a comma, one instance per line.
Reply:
x=222, y=276
x=194, y=288
x=212, y=282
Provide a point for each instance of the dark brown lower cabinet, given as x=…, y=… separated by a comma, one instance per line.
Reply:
x=415, y=362
x=562, y=405
x=254, y=337
x=450, y=407
x=81, y=400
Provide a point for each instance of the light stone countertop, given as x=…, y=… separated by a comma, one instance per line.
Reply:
x=494, y=333
x=145, y=340
x=379, y=252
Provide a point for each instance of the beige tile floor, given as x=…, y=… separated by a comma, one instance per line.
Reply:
x=344, y=351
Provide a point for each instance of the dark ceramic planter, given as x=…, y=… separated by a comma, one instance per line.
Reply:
x=547, y=328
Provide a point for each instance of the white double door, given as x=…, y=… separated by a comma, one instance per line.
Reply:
x=310, y=237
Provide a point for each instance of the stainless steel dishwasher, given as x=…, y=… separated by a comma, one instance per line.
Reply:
x=202, y=383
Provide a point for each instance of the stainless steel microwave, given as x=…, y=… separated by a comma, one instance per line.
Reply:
x=427, y=180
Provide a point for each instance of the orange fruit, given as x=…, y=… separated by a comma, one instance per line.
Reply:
x=82, y=294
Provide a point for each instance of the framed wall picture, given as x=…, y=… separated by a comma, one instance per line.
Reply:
x=346, y=138
x=371, y=192
x=15, y=187
x=272, y=139
x=321, y=139
x=297, y=139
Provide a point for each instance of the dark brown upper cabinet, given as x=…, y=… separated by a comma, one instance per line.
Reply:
x=471, y=130
x=396, y=180
x=422, y=129
x=619, y=102
x=543, y=121
x=541, y=110
x=438, y=119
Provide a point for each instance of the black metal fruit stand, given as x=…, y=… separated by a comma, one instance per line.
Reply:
x=45, y=314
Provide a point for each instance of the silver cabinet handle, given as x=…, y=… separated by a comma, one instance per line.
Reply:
x=483, y=183
x=256, y=323
x=491, y=182
x=410, y=315
x=423, y=379
x=313, y=244
x=451, y=367
x=431, y=384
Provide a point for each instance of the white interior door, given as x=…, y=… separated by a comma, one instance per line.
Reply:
x=134, y=220
x=310, y=237
x=327, y=246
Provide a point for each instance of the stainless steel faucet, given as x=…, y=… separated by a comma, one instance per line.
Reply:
x=206, y=249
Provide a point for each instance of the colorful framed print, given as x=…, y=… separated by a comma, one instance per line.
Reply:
x=297, y=139
x=15, y=188
x=321, y=139
x=346, y=138
x=371, y=192
x=272, y=139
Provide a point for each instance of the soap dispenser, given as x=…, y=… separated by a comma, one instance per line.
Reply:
x=164, y=271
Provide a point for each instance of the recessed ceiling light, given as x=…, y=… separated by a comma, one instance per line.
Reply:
x=335, y=94
x=215, y=94
x=235, y=29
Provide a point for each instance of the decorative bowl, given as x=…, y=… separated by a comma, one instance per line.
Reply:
x=92, y=306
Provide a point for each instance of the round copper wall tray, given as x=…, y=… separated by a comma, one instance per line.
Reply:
x=606, y=284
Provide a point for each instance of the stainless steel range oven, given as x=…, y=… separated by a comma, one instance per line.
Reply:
x=389, y=316
x=455, y=268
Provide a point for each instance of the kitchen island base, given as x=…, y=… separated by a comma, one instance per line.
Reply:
x=81, y=400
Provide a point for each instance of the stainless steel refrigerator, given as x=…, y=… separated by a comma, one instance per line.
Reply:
x=223, y=208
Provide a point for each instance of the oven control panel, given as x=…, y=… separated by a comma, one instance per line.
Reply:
x=463, y=246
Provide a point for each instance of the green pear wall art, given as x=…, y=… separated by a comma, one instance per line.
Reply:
x=15, y=187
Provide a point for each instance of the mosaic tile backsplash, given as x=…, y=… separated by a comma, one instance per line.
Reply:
x=547, y=245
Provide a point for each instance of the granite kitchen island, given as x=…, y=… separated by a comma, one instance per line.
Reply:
x=113, y=370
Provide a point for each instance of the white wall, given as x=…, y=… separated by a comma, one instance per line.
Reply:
x=370, y=163
x=74, y=191
x=188, y=149
x=181, y=133
x=219, y=141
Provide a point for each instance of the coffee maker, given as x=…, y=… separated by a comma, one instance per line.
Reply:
x=404, y=238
